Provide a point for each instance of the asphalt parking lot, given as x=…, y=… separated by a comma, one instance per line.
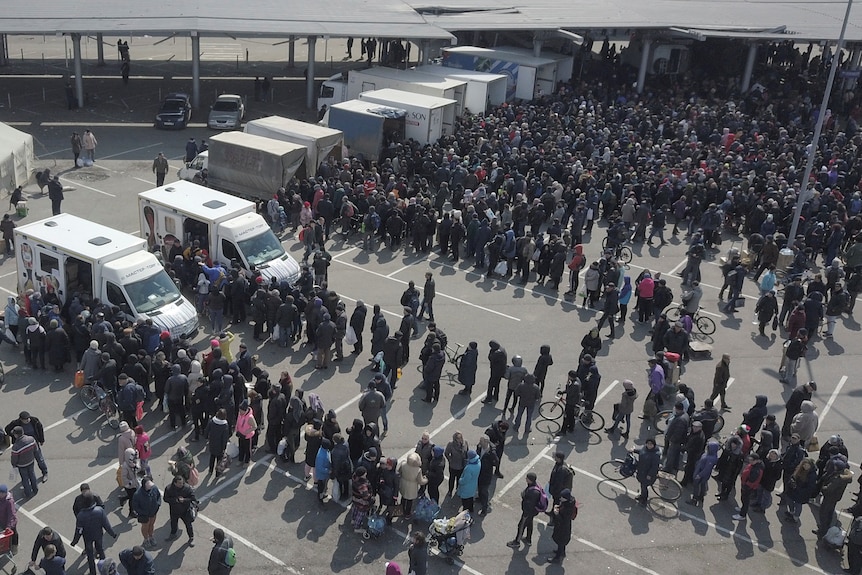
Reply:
x=275, y=519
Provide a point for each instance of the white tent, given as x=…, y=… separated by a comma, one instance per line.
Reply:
x=16, y=158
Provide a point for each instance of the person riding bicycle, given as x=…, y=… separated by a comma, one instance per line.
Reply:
x=617, y=235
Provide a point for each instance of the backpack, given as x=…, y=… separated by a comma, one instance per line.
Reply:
x=854, y=534
x=542, y=505
x=230, y=557
x=574, y=508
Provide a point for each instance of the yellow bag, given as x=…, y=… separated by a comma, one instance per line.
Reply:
x=120, y=476
x=79, y=379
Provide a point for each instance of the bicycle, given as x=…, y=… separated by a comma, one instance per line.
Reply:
x=662, y=419
x=554, y=410
x=94, y=397
x=665, y=486
x=455, y=355
x=703, y=324
x=622, y=252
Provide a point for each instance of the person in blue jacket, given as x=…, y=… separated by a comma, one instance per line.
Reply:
x=649, y=457
x=703, y=472
x=468, y=485
x=323, y=468
x=625, y=297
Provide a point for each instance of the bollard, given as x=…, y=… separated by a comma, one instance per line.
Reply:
x=246, y=55
x=44, y=98
x=9, y=97
x=160, y=93
x=237, y=61
x=22, y=54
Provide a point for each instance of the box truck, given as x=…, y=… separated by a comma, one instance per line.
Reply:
x=565, y=63
x=528, y=76
x=426, y=117
x=320, y=143
x=333, y=91
x=483, y=89
x=228, y=228
x=246, y=165
x=75, y=257
x=378, y=78
x=368, y=128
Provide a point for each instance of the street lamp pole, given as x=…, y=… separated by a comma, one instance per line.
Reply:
x=818, y=128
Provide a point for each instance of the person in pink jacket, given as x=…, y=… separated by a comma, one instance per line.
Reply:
x=246, y=427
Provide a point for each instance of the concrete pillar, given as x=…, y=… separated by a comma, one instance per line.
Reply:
x=749, y=67
x=645, y=53
x=537, y=46
x=309, y=83
x=196, y=70
x=475, y=37
x=100, y=50
x=4, y=51
x=79, y=80
x=855, y=54
x=424, y=52
x=291, y=52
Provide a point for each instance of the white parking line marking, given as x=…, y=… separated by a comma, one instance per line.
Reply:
x=80, y=185
x=439, y=294
x=123, y=153
x=554, y=443
x=104, y=470
x=32, y=517
x=832, y=398
x=398, y=271
x=249, y=544
x=65, y=419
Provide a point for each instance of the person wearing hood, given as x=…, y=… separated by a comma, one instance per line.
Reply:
x=576, y=264
x=497, y=358
x=545, y=361
x=275, y=415
x=833, y=482
x=357, y=322
x=562, y=514
x=323, y=468
x=625, y=409
x=342, y=466
x=468, y=484
x=246, y=428
x=129, y=477
x=412, y=478
x=514, y=374
x=771, y=475
x=805, y=422
x=468, y=367
x=57, y=345
x=766, y=311
x=801, y=487
x=703, y=473
x=610, y=309
x=371, y=404
x=218, y=435
x=355, y=439
x=755, y=416
x=313, y=441
x=183, y=464
x=435, y=473
x=11, y=316
x=379, y=334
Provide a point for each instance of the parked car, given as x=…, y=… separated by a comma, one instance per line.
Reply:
x=175, y=111
x=226, y=113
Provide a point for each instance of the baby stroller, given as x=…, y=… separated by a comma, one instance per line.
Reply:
x=450, y=535
x=376, y=525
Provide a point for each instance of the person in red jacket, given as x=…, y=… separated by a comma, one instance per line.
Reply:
x=750, y=478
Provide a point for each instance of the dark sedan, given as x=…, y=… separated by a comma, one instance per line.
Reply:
x=175, y=112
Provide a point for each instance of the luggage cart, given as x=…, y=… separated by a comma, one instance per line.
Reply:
x=6, y=551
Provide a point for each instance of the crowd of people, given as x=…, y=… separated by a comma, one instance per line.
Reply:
x=519, y=191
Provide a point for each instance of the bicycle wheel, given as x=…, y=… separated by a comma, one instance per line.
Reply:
x=625, y=255
x=605, y=242
x=109, y=408
x=592, y=420
x=705, y=325
x=551, y=410
x=89, y=397
x=673, y=313
x=662, y=419
x=667, y=487
x=457, y=361
x=611, y=469
x=719, y=425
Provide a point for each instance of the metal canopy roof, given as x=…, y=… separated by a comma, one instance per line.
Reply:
x=430, y=19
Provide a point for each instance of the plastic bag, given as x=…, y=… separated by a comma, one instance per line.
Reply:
x=232, y=450
x=501, y=268
x=276, y=333
x=350, y=337
x=282, y=446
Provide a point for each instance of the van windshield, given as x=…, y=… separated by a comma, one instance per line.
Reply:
x=261, y=249
x=148, y=295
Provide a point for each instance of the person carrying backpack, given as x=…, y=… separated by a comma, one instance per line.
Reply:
x=222, y=556
x=534, y=500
